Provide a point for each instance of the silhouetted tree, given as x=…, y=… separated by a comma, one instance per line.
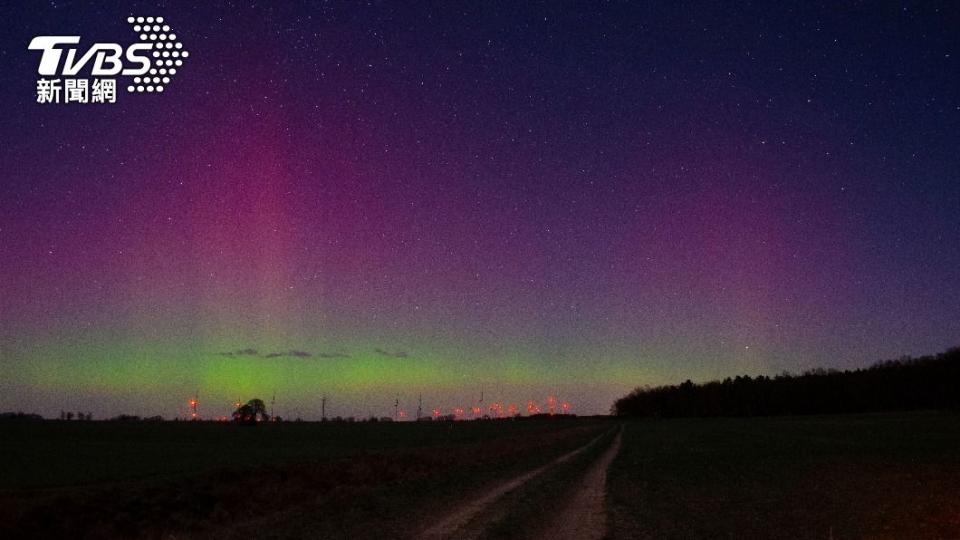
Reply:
x=251, y=412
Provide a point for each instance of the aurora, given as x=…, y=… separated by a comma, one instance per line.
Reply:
x=370, y=204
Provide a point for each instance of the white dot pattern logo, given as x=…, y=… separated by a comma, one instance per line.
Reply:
x=167, y=52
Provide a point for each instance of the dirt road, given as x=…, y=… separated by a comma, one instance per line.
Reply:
x=585, y=522
x=584, y=516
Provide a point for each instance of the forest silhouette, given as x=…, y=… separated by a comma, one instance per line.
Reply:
x=924, y=383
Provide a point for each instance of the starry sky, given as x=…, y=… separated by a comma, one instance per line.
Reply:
x=373, y=201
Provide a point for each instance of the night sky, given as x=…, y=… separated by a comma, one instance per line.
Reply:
x=523, y=199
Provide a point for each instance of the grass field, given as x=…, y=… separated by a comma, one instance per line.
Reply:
x=869, y=476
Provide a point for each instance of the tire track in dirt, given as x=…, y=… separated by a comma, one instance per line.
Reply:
x=584, y=516
x=451, y=526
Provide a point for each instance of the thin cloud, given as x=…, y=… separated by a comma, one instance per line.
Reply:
x=291, y=354
x=392, y=354
x=241, y=352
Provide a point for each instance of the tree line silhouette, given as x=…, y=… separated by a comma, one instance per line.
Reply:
x=928, y=382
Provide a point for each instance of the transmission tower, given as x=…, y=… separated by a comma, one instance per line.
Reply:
x=194, y=403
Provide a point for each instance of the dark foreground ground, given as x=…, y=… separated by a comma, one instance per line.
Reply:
x=291, y=480
x=870, y=476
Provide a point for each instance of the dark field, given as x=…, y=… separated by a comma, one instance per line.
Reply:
x=41, y=454
x=869, y=476
x=290, y=480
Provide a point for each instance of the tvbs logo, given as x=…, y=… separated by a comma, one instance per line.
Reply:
x=150, y=64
